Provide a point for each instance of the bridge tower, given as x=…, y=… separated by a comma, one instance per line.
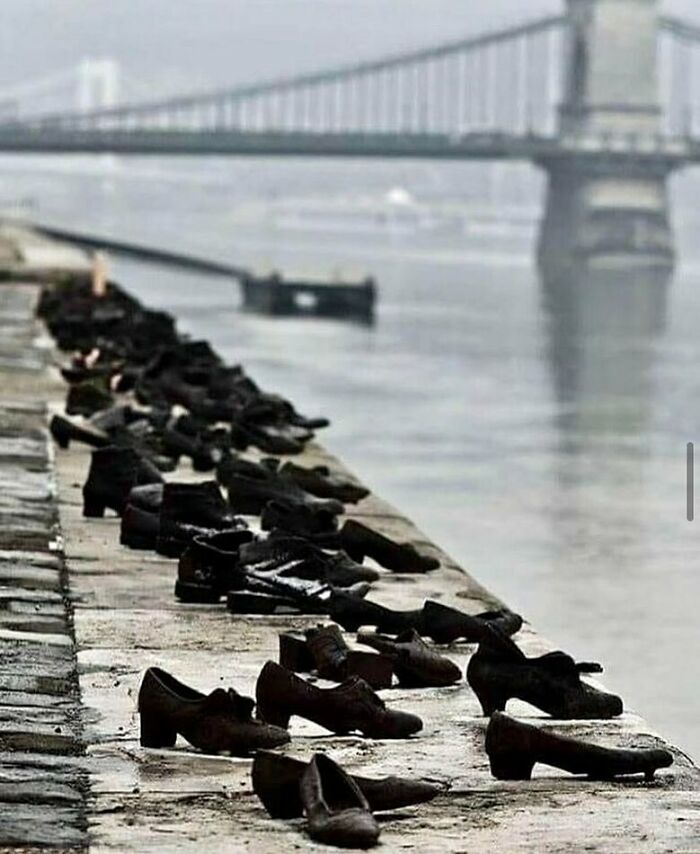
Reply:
x=607, y=212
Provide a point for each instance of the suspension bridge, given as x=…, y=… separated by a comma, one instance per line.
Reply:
x=604, y=97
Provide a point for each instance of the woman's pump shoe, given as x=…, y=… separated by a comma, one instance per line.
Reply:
x=514, y=748
x=350, y=707
x=219, y=722
x=324, y=651
x=499, y=671
x=446, y=625
x=337, y=813
x=276, y=783
x=416, y=665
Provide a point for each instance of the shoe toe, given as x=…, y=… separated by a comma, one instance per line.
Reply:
x=353, y=828
x=403, y=724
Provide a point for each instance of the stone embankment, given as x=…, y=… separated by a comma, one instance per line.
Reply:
x=81, y=618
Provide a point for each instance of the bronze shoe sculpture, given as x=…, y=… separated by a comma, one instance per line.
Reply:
x=219, y=722
x=337, y=813
x=514, y=747
x=416, y=665
x=324, y=650
x=350, y=707
x=499, y=671
x=276, y=783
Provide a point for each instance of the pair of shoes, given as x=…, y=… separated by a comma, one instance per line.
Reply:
x=351, y=706
x=219, y=722
x=434, y=620
x=513, y=749
x=324, y=650
x=499, y=671
x=251, y=486
x=338, y=807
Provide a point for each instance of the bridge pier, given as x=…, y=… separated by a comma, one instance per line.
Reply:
x=605, y=216
x=602, y=210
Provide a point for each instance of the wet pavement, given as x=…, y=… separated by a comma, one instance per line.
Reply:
x=72, y=769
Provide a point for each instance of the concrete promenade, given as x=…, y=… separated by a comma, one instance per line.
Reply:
x=81, y=618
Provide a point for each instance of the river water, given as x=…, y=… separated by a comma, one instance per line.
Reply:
x=539, y=437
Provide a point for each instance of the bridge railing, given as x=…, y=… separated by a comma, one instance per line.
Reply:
x=507, y=81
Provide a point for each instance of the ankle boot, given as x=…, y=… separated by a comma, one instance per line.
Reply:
x=216, y=723
x=351, y=613
x=513, y=749
x=351, y=706
x=359, y=542
x=276, y=783
x=324, y=650
x=113, y=473
x=337, y=813
x=445, y=625
x=416, y=665
x=192, y=504
x=320, y=481
x=499, y=671
x=297, y=556
x=208, y=568
x=65, y=431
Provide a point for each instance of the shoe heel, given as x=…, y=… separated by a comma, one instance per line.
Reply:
x=93, y=508
x=511, y=766
x=294, y=654
x=156, y=734
x=274, y=716
x=196, y=593
x=490, y=701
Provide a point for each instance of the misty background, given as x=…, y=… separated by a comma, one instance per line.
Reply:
x=178, y=46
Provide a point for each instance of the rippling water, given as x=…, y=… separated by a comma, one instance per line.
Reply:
x=538, y=435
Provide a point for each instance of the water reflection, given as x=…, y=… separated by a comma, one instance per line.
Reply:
x=604, y=331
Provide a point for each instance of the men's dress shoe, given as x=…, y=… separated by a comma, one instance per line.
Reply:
x=320, y=481
x=208, y=568
x=176, y=444
x=359, y=542
x=270, y=594
x=416, y=665
x=139, y=528
x=513, y=749
x=349, y=707
x=445, y=625
x=276, y=783
x=499, y=671
x=113, y=473
x=65, y=431
x=251, y=486
x=324, y=650
x=337, y=813
x=197, y=504
x=297, y=556
x=219, y=722
x=269, y=441
x=298, y=519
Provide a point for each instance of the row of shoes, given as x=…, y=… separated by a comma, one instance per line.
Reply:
x=142, y=397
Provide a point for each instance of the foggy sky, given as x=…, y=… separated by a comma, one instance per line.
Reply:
x=186, y=45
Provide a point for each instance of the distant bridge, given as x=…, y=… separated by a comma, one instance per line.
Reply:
x=604, y=97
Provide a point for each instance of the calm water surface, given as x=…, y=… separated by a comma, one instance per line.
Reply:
x=538, y=436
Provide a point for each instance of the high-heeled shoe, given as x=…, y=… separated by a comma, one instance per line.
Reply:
x=324, y=650
x=514, y=747
x=499, y=671
x=349, y=707
x=219, y=722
